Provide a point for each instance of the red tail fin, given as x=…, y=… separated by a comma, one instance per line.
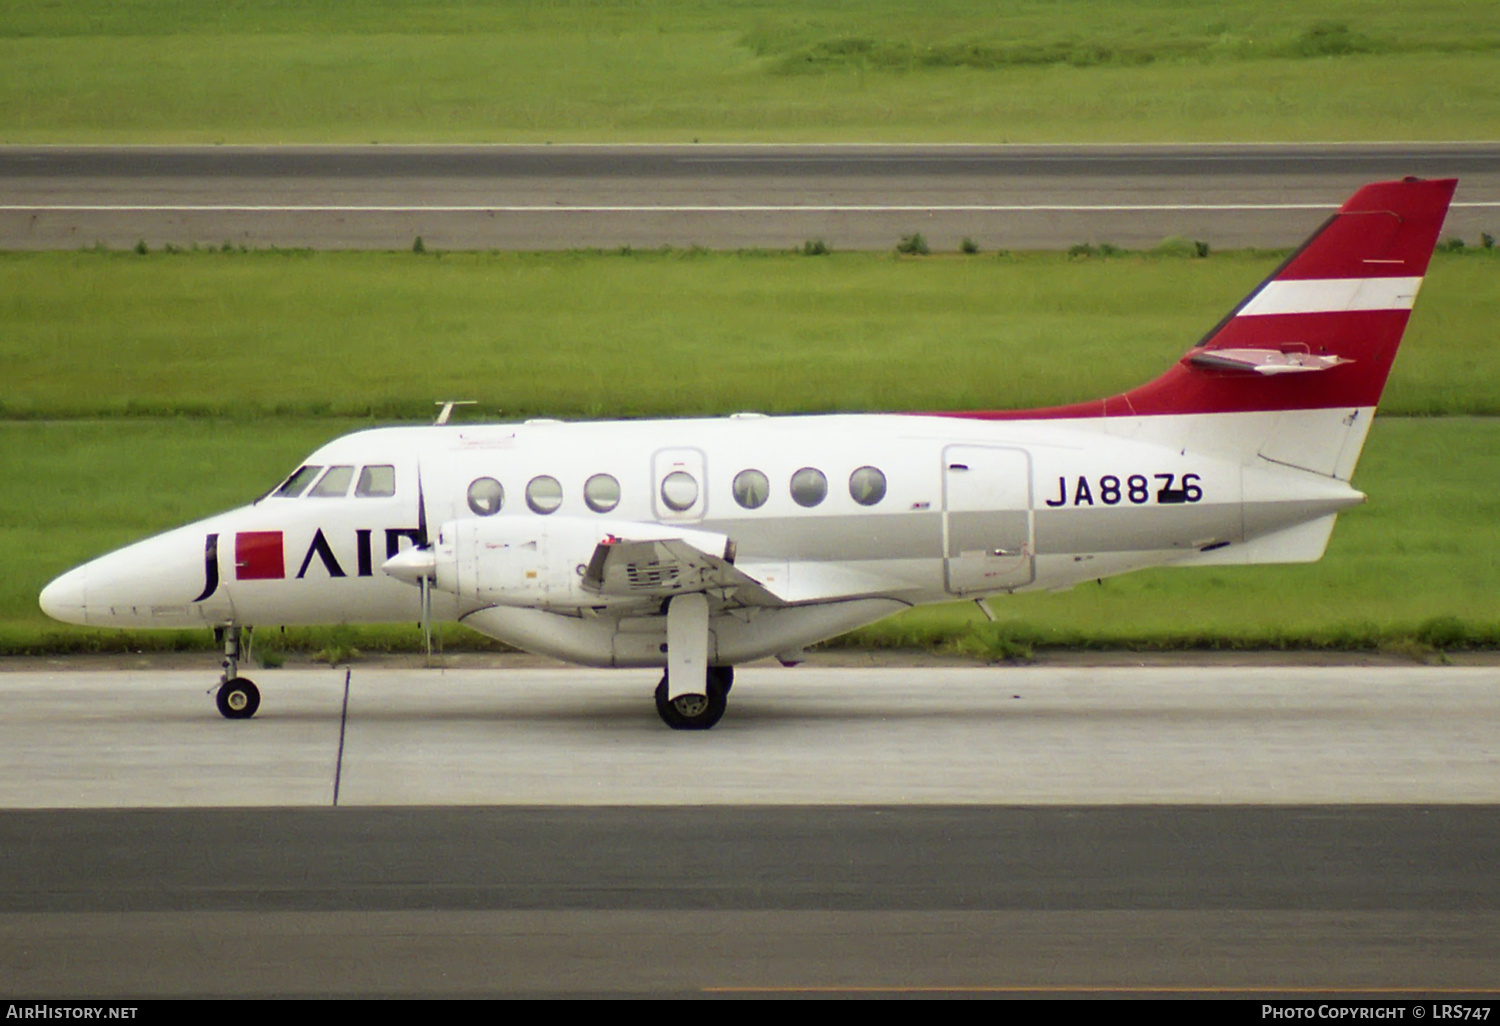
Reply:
x=1320, y=332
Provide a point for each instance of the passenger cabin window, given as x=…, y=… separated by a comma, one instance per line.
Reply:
x=377, y=482
x=334, y=484
x=298, y=482
x=544, y=494
x=486, y=496
x=679, y=490
x=751, y=489
x=867, y=486
x=602, y=493
x=809, y=487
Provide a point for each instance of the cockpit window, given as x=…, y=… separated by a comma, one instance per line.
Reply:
x=378, y=482
x=334, y=484
x=298, y=482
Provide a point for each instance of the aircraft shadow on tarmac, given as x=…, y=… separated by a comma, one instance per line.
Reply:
x=616, y=712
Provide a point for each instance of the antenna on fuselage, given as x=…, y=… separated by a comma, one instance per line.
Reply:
x=447, y=408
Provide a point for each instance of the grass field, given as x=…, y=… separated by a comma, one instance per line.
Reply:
x=589, y=335
x=1417, y=565
x=794, y=70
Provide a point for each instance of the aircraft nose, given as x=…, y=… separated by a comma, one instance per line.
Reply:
x=152, y=583
x=66, y=598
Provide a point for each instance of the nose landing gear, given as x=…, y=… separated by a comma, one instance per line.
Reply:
x=237, y=697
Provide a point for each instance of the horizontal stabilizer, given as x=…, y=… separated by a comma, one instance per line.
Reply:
x=1263, y=361
x=1303, y=543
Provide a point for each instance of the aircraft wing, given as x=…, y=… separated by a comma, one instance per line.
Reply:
x=796, y=583
x=663, y=567
x=667, y=566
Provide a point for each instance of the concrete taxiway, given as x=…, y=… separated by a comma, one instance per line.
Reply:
x=803, y=735
x=721, y=197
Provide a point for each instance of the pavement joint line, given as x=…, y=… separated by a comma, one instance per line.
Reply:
x=338, y=769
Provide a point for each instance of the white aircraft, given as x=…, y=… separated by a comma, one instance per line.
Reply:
x=695, y=545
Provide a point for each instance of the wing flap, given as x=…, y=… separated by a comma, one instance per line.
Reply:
x=805, y=582
x=661, y=567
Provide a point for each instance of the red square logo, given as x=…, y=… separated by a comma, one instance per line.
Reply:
x=257, y=556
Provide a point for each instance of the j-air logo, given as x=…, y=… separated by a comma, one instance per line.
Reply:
x=260, y=556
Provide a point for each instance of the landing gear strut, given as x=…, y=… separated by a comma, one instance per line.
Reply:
x=692, y=694
x=237, y=697
x=692, y=711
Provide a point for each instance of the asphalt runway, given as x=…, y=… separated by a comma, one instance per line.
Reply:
x=721, y=197
x=962, y=830
x=1345, y=900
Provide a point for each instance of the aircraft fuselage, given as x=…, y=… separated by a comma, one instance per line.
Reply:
x=964, y=509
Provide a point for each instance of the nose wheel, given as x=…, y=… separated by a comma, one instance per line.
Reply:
x=237, y=697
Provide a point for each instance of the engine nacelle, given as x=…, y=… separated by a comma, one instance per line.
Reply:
x=539, y=562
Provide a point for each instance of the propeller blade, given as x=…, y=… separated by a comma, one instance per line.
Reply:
x=427, y=616
x=425, y=565
x=422, y=539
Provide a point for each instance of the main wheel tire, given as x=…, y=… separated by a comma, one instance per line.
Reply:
x=725, y=676
x=692, y=712
x=237, y=699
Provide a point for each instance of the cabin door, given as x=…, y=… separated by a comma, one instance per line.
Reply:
x=988, y=540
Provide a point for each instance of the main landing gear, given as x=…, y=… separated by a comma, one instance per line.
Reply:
x=237, y=697
x=679, y=702
x=696, y=712
x=692, y=695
